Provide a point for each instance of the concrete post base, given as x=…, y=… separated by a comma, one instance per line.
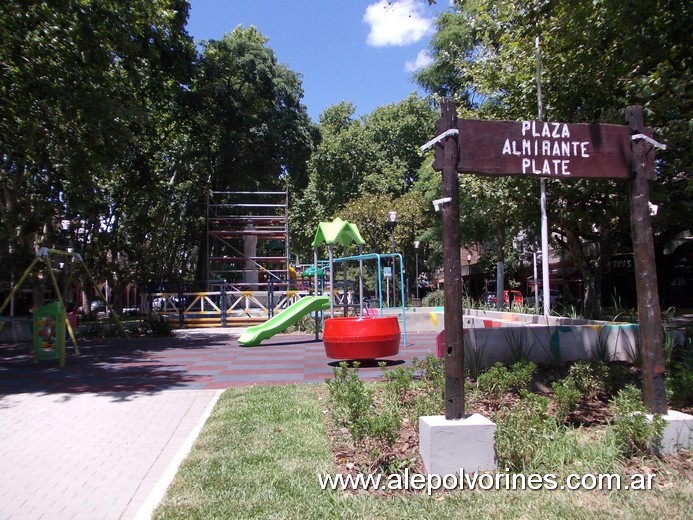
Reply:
x=446, y=447
x=678, y=432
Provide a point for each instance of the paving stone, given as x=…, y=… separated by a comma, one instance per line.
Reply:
x=101, y=437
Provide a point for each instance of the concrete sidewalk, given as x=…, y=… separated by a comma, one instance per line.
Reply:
x=94, y=456
x=103, y=437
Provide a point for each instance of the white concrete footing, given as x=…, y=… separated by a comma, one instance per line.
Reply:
x=678, y=432
x=448, y=446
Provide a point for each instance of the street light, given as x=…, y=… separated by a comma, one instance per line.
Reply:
x=469, y=272
x=536, y=287
x=416, y=250
x=392, y=222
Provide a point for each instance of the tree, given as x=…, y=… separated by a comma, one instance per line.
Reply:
x=375, y=155
x=370, y=214
x=86, y=122
x=597, y=58
x=250, y=130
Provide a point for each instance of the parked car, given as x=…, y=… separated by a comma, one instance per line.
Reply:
x=489, y=298
x=555, y=296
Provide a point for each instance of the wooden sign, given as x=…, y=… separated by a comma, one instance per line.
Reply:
x=556, y=150
x=542, y=149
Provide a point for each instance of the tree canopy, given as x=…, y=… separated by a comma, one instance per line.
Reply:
x=596, y=59
x=87, y=93
x=358, y=159
x=114, y=127
x=249, y=126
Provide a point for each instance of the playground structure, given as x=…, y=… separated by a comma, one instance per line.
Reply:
x=361, y=338
x=50, y=322
x=247, y=258
x=250, y=276
x=366, y=336
x=248, y=270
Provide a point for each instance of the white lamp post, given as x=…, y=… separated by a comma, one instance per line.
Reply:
x=416, y=250
x=392, y=222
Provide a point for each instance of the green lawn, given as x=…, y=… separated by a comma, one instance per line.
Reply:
x=261, y=449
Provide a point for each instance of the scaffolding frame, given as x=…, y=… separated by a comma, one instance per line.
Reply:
x=232, y=216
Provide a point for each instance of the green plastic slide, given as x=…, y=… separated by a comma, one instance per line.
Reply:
x=252, y=336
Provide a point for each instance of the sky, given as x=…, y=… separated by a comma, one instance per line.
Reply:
x=362, y=51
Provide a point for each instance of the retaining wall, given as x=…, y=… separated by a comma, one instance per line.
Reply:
x=492, y=336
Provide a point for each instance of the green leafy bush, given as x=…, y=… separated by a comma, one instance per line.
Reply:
x=679, y=384
x=158, y=325
x=636, y=432
x=521, y=431
x=521, y=374
x=434, y=299
x=351, y=399
x=567, y=394
x=305, y=325
x=499, y=380
x=353, y=406
x=398, y=381
x=589, y=377
x=495, y=381
x=430, y=370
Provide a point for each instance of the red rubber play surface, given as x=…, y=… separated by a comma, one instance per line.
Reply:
x=361, y=338
x=189, y=360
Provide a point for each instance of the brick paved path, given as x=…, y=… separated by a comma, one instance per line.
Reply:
x=102, y=437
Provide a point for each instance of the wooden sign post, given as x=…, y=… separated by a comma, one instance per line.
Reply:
x=649, y=312
x=559, y=151
x=447, y=158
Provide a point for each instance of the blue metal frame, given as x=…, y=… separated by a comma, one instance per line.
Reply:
x=378, y=256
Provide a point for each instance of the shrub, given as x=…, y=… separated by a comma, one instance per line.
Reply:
x=305, y=325
x=567, y=395
x=498, y=380
x=434, y=299
x=351, y=400
x=589, y=377
x=521, y=374
x=679, y=384
x=495, y=381
x=398, y=381
x=353, y=406
x=521, y=431
x=158, y=325
x=637, y=433
x=431, y=370
x=424, y=403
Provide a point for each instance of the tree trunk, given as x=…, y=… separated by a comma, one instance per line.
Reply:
x=592, y=296
x=592, y=265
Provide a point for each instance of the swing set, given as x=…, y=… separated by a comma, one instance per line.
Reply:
x=50, y=323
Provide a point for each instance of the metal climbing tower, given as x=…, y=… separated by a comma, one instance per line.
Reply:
x=248, y=240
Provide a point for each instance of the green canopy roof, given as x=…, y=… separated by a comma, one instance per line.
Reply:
x=310, y=271
x=337, y=232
